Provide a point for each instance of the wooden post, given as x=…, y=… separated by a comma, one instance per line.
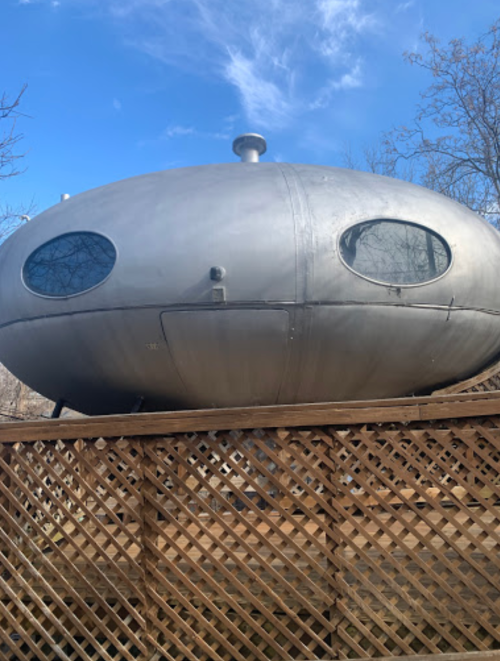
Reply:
x=5, y=481
x=330, y=524
x=148, y=541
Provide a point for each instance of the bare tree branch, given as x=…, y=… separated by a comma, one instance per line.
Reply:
x=454, y=140
x=17, y=401
x=9, y=136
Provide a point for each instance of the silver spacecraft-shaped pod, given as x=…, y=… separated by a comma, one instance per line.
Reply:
x=248, y=283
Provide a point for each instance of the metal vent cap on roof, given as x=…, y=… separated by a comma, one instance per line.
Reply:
x=249, y=146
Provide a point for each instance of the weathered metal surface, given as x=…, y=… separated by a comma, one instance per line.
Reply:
x=271, y=232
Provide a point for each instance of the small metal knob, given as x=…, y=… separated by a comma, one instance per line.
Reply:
x=217, y=273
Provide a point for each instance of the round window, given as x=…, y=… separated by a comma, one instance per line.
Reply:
x=69, y=264
x=395, y=252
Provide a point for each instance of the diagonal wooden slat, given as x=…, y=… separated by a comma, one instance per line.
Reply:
x=348, y=493
x=379, y=537
x=241, y=587
x=44, y=561
x=382, y=472
x=109, y=562
x=252, y=507
x=411, y=507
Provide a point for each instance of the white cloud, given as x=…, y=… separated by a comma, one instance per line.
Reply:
x=264, y=102
x=404, y=6
x=277, y=54
x=341, y=19
x=280, y=56
x=177, y=131
x=117, y=104
x=350, y=80
x=50, y=3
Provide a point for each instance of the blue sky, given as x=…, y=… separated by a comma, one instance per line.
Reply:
x=123, y=87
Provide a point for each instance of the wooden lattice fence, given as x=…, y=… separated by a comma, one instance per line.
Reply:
x=150, y=537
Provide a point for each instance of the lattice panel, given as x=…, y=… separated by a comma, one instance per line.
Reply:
x=489, y=385
x=71, y=579
x=322, y=543
x=419, y=531
x=239, y=559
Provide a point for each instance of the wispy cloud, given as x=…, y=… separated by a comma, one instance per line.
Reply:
x=347, y=81
x=176, y=131
x=282, y=57
x=275, y=53
x=341, y=20
x=264, y=101
x=117, y=105
x=54, y=4
x=404, y=6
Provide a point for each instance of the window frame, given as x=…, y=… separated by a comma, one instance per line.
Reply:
x=53, y=297
x=399, y=221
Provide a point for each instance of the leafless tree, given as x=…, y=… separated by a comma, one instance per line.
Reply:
x=453, y=144
x=16, y=399
x=9, y=137
x=10, y=161
x=18, y=402
x=379, y=159
x=454, y=139
x=13, y=217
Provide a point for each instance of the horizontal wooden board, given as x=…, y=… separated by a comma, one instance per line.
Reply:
x=297, y=415
x=463, y=656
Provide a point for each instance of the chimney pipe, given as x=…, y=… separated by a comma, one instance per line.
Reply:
x=249, y=146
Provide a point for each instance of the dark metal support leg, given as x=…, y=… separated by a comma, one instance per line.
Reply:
x=56, y=413
x=138, y=404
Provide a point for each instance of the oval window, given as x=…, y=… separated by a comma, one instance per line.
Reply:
x=395, y=252
x=69, y=264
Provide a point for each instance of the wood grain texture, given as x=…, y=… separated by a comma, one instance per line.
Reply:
x=375, y=537
x=341, y=413
x=468, y=656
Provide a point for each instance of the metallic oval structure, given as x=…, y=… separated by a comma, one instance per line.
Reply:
x=230, y=288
